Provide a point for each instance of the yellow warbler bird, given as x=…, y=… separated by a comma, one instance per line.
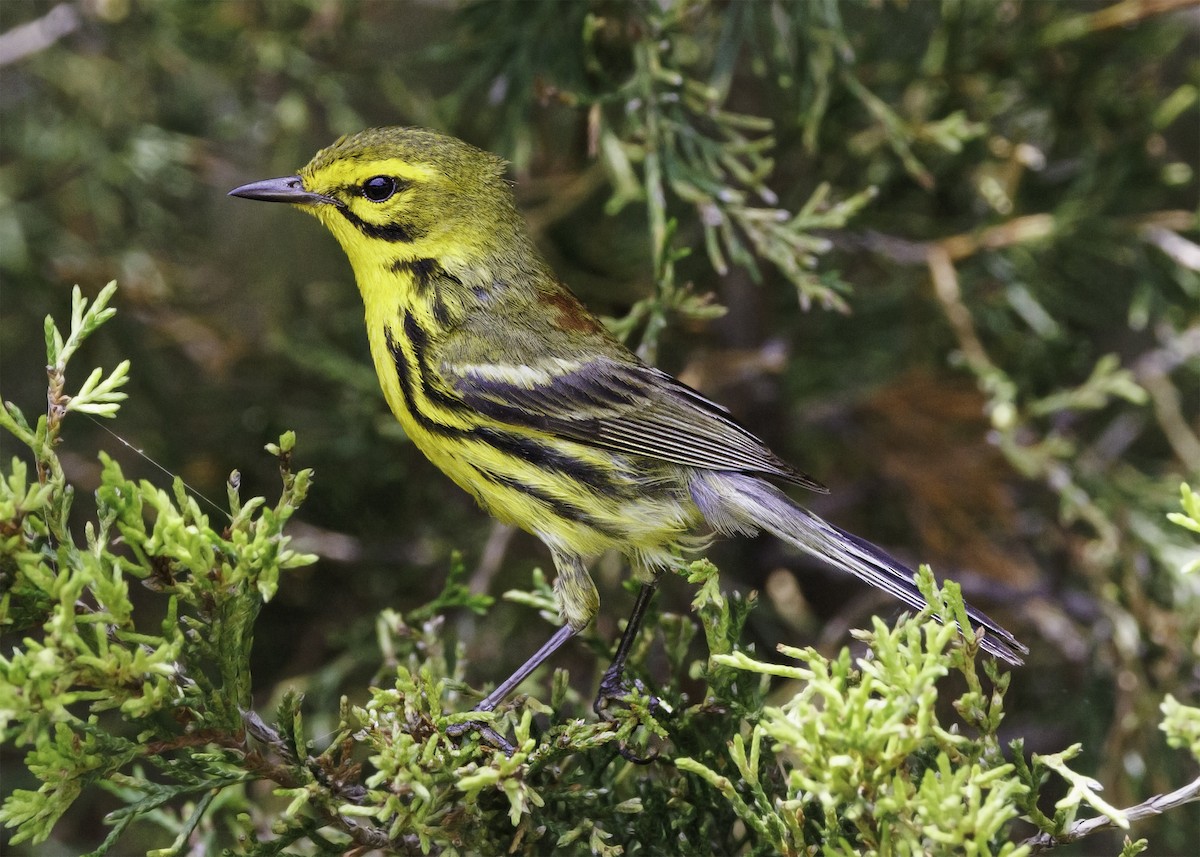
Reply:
x=519, y=394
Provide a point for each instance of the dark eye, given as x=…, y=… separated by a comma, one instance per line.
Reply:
x=379, y=188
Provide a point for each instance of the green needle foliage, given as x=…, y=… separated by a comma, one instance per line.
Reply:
x=104, y=696
x=154, y=704
x=1003, y=195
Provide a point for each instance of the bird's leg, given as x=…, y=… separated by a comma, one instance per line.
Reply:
x=489, y=702
x=522, y=672
x=578, y=601
x=613, y=685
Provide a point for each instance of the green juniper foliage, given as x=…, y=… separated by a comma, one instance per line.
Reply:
x=177, y=681
x=182, y=690
x=850, y=755
x=997, y=199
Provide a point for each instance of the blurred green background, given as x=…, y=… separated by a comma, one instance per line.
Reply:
x=1034, y=167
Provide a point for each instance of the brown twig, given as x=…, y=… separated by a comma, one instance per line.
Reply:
x=1019, y=230
x=1156, y=805
x=1121, y=14
x=492, y=558
x=1152, y=371
x=945, y=286
x=37, y=35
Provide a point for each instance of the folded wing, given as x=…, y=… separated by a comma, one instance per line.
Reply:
x=624, y=406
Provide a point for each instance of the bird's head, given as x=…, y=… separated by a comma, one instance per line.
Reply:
x=401, y=194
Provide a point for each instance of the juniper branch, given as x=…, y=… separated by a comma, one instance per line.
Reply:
x=1156, y=805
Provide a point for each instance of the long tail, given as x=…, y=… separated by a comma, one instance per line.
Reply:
x=734, y=503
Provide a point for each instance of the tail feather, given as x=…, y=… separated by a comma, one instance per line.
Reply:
x=737, y=503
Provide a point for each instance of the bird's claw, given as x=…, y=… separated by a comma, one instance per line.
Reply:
x=629, y=756
x=614, y=687
x=488, y=734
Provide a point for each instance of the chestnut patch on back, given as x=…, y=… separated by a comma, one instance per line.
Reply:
x=569, y=314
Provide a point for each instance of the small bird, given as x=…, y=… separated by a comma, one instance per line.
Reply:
x=520, y=395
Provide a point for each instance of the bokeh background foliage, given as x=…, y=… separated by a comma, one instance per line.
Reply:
x=941, y=256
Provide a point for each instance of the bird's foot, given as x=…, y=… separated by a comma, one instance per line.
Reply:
x=615, y=688
x=487, y=734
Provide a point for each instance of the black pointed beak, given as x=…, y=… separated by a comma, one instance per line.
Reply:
x=285, y=189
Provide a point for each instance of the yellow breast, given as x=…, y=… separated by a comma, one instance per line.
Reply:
x=517, y=474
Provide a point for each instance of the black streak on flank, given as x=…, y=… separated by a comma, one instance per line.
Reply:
x=516, y=445
x=390, y=232
x=546, y=457
x=562, y=508
x=419, y=340
x=404, y=375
